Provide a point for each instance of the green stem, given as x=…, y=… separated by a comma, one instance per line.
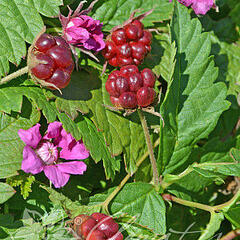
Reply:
x=150, y=147
x=14, y=75
x=203, y=206
x=54, y=30
x=123, y=182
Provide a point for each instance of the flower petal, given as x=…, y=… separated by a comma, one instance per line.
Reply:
x=75, y=150
x=31, y=136
x=31, y=163
x=202, y=6
x=74, y=167
x=54, y=130
x=58, y=178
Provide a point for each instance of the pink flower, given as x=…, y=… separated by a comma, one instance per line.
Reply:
x=42, y=153
x=84, y=31
x=199, y=6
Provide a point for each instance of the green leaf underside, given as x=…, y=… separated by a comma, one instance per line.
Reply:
x=193, y=102
x=11, y=100
x=11, y=146
x=93, y=140
x=139, y=200
x=6, y=192
x=213, y=226
x=113, y=13
x=119, y=132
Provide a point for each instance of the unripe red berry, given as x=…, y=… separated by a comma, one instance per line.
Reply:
x=45, y=42
x=122, y=61
x=88, y=226
x=138, y=50
x=135, y=82
x=110, y=50
x=128, y=100
x=59, y=78
x=148, y=77
x=119, y=36
x=121, y=84
x=124, y=50
x=146, y=39
x=131, y=31
x=140, y=27
x=145, y=96
x=113, y=61
x=128, y=70
x=117, y=236
x=111, y=88
x=115, y=101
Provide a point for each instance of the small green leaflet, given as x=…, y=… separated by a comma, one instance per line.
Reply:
x=6, y=192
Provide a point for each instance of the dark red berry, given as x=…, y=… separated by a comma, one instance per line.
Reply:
x=59, y=78
x=138, y=50
x=127, y=70
x=108, y=226
x=128, y=100
x=113, y=61
x=61, y=42
x=70, y=68
x=140, y=27
x=131, y=31
x=96, y=235
x=119, y=36
x=146, y=39
x=124, y=61
x=135, y=81
x=148, y=77
x=45, y=67
x=110, y=50
x=114, y=74
x=121, y=84
x=45, y=42
x=111, y=88
x=117, y=236
x=61, y=56
x=87, y=226
x=124, y=50
x=148, y=48
x=145, y=96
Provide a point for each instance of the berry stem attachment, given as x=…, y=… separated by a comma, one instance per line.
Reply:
x=14, y=75
x=150, y=147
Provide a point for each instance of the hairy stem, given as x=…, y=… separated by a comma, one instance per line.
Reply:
x=150, y=147
x=202, y=206
x=231, y=235
x=123, y=182
x=14, y=75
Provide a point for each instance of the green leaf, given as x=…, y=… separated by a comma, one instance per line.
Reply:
x=119, y=132
x=233, y=215
x=11, y=146
x=166, y=66
x=11, y=99
x=193, y=102
x=236, y=154
x=93, y=140
x=48, y=8
x=19, y=22
x=113, y=13
x=145, y=204
x=24, y=181
x=213, y=226
x=6, y=192
x=228, y=169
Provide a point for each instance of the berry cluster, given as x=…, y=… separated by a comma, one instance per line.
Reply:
x=128, y=45
x=51, y=60
x=98, y=226
x=129, y=88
